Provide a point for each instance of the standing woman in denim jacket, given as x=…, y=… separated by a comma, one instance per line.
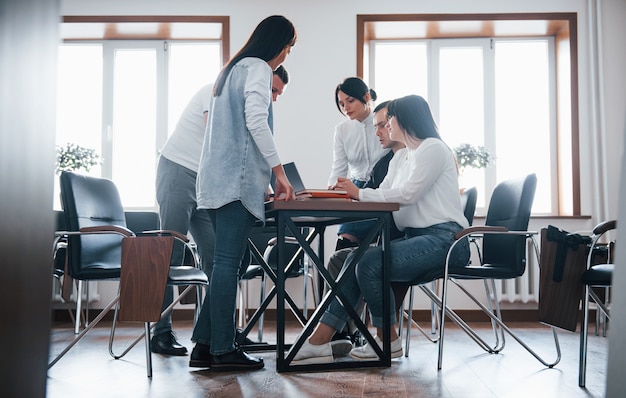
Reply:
x=238, y=156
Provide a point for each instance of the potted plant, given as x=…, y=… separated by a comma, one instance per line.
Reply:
x=72, y=157
x=476, y=157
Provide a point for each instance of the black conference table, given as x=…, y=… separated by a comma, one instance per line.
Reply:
x=314, y=216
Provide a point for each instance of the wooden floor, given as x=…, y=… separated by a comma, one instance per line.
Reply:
x=88, y=370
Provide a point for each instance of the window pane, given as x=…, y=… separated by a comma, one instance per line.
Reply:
x=191, y=66
x=134, y=126
x=79, y=102
x=400, y=68
x=79, y=97
x=523, y=115
x=462, y=106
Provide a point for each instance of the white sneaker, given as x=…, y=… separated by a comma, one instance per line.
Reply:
x=367, y=353
x=310, y=353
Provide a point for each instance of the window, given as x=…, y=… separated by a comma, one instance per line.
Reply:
x=491, y=81
x=123, y=97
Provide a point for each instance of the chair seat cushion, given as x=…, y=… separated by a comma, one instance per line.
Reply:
x=598, y=275
x=98, y=273
x=486, y=271
x=253, y=271
x=186, y=275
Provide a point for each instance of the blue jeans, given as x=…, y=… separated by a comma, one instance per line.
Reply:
x=176, y=196
x=216, y=322
x=421, y=250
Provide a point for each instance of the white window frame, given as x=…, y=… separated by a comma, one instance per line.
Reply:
x=490, y=138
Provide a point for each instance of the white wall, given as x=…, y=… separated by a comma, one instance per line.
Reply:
x=325, y=54
x=614, y=96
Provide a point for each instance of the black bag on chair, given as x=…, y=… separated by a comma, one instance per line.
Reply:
x=563, y=261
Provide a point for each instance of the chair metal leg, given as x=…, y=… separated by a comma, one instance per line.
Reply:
x=584, y=331
x=601, y=315
x=86, y=288
x=493, y=301
x=407, y=343
x=148, y=351
x=433, y=310
x=304, y=301
x=198, y=306
x=477, y=338
x=167, y=310
x=401, y=316
x=262, y=298
x=79, y=301
x=85, y=330
x=241, y=306
x=433, y=337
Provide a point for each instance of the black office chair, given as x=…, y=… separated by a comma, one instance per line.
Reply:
x=503, y=256
x=265, y=239
x=468, y=204
x=96, y=227
x=596, y=276
x=136, y=221
x=59, y=256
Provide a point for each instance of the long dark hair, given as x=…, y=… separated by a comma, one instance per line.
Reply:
x=355, y=88
x=267, y=40
x=414, y=116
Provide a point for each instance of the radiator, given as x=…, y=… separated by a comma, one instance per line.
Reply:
x=524, y=289
x=92, y=290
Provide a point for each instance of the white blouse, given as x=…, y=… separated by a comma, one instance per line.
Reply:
x=425, y=183
x=356, y=150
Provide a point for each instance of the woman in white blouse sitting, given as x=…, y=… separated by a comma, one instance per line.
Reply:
x=423, y=178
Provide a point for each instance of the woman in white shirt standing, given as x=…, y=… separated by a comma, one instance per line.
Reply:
x=356, y=148
x=423, y=178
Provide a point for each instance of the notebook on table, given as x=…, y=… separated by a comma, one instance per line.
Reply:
x=301, y=191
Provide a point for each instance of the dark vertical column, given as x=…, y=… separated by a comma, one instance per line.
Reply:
x=28, y=58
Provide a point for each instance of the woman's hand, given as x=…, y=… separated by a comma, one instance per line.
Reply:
x=284, y=190
x=347, y=185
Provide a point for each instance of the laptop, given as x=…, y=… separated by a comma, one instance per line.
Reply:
x=291, y=171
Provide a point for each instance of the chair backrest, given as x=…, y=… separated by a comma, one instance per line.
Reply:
x=87, y=202
x=468, y=203
x=140, y=221
x=510, y=206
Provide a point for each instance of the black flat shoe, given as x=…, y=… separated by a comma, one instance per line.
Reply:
x=235, y=360
x=166, y=344
x=200, y=356
x=245, y=341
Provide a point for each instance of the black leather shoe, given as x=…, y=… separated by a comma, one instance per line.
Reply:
x=200, y=356
x=235, y=360
x=166, y=344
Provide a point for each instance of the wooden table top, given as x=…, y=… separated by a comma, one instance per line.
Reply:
x=330, y=204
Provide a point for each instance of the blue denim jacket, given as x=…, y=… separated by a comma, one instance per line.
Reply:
x=231, y=166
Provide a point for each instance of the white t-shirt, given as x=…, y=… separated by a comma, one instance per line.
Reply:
x=185, y=144
x=425, y=183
